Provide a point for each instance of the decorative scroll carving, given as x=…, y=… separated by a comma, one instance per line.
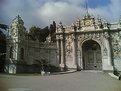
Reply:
x=68, y=45
x=98, y=23
x=57, y=37
x=105, y=25
x=116, y=44
x=61, y=36
x=105, y=53
x=73, y=36
x=94, y=36
x=60, y=28
x=17, y=28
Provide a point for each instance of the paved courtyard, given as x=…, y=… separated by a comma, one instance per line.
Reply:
x=78, y=81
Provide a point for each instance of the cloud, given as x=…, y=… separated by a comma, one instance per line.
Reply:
x=43, y=12
x=115, y=9
x=25, y=8
x=110, y=12
x=59, y=11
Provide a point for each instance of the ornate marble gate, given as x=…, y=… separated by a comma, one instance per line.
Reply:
x=85, y=44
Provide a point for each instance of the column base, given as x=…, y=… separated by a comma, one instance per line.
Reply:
x=79, y=68
x=63, y=67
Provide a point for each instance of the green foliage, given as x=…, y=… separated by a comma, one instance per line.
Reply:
x=52, y=31
x=38, y=33
x=2, y=50
x=3, y=26
x=41, y=34
x=2, y=42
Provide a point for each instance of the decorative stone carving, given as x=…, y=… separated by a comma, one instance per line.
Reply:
x=116, y=44
x=73, y=26
x=57, y=37
x=68, y=45
x=14, y=32
x=105, y=53
x=73, y=36
x=78, y=24
x=61, y=37
x=98, y=23
x=106, y=35
x=86, y=29
x=60, y=28
x=119, y=23
x=88, y=21
x=105, y=25
x=17, y=28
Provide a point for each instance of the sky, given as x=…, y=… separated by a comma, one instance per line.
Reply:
x=43, y=12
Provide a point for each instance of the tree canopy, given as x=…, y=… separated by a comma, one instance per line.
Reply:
x=2, y=50
x=41, y=34
x=52, y=31
x=2, y=42
x=38, y=33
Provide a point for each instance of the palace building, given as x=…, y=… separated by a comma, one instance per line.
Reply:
x=89, y=43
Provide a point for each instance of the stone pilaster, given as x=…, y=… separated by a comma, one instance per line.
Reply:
x=75, y=57
x=110, y=54
x=59, y=50
x=63, y=54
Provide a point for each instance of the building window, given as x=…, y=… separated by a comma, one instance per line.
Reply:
x=22, y=53
x=11, y=52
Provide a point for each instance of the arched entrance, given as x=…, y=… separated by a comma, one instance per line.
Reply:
x=92, y=59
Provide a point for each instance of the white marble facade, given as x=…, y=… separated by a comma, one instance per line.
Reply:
x=21, y=50
x=88, y=44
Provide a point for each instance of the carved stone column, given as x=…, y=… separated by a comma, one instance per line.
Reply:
x=59, y=50
x=110, y=54
x=63, y=53
x=75, y=58
x=80, y=59
x=107, y=37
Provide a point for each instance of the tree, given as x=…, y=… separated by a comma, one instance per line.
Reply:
x=52, y=31
x=2, y=50
x=3, y=26
x=38, y=33
x=2, y=42
x=34, y=32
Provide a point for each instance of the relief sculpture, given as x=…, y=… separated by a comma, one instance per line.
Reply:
x=116, y=43
x=68, y=45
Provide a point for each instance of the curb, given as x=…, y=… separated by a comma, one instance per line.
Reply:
x=65, y=72
x=55, y=73
x=114, y=76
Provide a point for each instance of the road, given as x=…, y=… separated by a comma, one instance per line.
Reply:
x=78, y=81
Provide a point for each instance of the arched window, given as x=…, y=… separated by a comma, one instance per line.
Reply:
x=22, y=53
x=11, y=52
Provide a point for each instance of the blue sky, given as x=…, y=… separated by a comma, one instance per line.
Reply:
x=98, y=3
x=42, y=12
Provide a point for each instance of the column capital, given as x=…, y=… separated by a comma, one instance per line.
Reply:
x=73, y=36
x=61, y=37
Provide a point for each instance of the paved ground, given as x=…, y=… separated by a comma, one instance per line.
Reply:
x=78, y=81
